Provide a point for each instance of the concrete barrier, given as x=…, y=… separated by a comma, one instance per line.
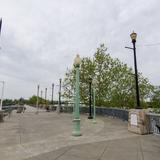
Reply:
x=152, y=121
x=103, y=111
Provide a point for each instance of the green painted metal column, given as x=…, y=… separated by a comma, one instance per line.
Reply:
x=76, y=120
x=74, y=102
x=94, y=105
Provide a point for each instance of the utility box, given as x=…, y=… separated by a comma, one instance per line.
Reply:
x=138, y=121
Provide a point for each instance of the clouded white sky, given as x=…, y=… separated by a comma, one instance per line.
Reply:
x=40, y=39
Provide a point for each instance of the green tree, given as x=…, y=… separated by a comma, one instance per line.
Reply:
x=155, y=98
x=115, y=81
x=8, y=102
x=32, y=100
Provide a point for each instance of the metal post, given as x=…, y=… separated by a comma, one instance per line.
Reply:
x=45, y=95
x=52, y=92
x=136, y=76
x=46, y=98
x=94, y=106
x=76, y=131
x=41, y=94
x=74, y=101
x=59, y=102
x=90, y=99
x=41, y=98
x=37, y=104
x=0, y=25
x=2, y=95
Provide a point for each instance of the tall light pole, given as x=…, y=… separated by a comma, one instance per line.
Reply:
x=90, y=99
x=41, y=98
x=52, y=92
x=1, y=81
x=41, y=94
x=76, y=120
x=94, y=101
x=133, y=37
x=37, y=103
x=0, y=25
x=59, y=101
x=45, y=98
x=2, y=94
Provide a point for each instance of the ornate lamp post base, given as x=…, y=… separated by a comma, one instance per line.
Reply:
x=76, y=131
x=94, y=121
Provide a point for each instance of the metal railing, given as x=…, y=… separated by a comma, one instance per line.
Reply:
x=154, y=123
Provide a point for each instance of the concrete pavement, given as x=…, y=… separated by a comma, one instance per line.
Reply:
x=133, y=148
x=48, y=136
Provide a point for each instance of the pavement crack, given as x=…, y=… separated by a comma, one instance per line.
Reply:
x=63, y=153
x=101, y=155
x=141, y=150
x=20, y=128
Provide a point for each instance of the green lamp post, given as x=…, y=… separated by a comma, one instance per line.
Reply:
x=94, y=101
x=76, y=120
x=37, y=103
x=90, y=98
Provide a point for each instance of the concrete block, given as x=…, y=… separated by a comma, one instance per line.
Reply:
x=138, y=121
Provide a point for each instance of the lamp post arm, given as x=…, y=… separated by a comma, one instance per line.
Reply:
x=129, y=48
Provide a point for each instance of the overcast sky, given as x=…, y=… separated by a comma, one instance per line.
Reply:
x=40, y=38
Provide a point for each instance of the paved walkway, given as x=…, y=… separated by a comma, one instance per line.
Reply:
x=135, y=148
x=48, y=136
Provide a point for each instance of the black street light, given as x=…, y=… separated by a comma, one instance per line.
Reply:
x=45, y=96
x=133, y=37
x=60, y=86
x=37, y=103
x=0, y=25
x=90, y=98
x=46, y=105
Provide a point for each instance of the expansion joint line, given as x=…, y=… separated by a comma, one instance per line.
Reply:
x=141, y=150
x=63, y=153
x=20, y=130
x=101, y=155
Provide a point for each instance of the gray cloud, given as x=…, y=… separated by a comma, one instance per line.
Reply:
x=41, y=38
